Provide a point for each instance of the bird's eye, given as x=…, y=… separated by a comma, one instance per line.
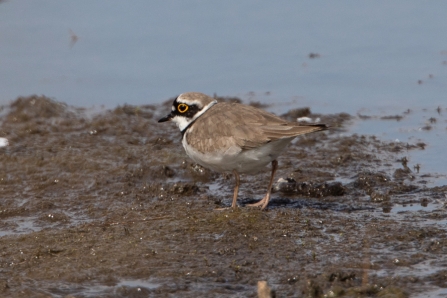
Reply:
x=182, y=108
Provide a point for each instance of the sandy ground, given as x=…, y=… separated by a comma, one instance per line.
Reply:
x=109, y=205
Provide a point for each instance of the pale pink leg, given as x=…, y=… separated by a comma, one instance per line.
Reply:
x=236, y=189
x=265, y=201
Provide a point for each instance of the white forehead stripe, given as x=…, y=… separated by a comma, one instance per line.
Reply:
x=196, y=102
x=190, y=102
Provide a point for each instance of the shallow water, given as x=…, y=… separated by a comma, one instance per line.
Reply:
x=426, y=127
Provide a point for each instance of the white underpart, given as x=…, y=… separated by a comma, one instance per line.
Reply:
x=183, y=122
x=233, y=158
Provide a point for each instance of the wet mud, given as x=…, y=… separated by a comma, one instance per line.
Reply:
x=107, y=204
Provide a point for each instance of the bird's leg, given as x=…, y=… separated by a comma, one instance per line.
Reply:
x=236, y=189
x=265, y=201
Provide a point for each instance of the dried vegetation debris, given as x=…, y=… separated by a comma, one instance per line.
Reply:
x=112, y=197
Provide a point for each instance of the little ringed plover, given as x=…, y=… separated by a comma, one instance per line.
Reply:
x=232, y=137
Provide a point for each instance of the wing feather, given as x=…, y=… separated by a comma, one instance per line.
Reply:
x=247, y=129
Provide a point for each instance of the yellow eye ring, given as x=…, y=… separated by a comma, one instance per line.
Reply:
x=182, y=108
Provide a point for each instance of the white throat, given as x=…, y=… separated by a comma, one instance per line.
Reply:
x=183, y=122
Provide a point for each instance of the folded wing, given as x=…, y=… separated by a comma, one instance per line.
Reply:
x=248, y=129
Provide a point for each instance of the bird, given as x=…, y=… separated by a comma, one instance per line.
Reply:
x=232, y=137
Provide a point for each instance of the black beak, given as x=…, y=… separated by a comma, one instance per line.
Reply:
x=166, y=118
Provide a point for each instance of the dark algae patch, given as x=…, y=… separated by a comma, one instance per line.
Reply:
x=108, y=205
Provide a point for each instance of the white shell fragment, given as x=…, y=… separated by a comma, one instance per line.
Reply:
x=308, y=120
x=4, y=142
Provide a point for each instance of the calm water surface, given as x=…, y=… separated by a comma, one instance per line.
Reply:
x=93, y=52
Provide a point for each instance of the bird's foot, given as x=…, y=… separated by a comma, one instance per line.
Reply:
x=257, y=204
x=262, y=203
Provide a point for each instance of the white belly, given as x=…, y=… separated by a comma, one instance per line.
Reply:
x=233, y=158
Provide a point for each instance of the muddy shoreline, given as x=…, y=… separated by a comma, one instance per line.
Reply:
x=109, y=205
